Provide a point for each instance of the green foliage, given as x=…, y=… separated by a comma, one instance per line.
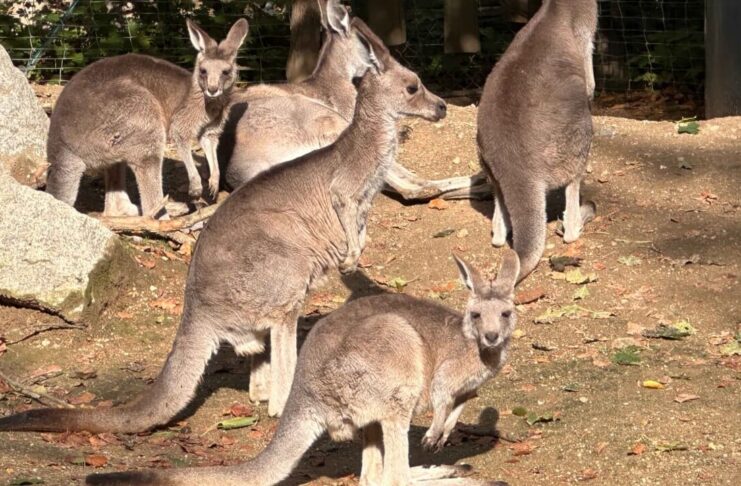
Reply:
x=91, y=31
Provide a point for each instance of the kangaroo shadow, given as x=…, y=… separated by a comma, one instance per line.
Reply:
x=91, y=195
x=336, y=460
x=228, y=139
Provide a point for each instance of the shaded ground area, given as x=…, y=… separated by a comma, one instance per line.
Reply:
x=665, y=249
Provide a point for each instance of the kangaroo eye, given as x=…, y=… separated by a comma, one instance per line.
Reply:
x=226, y=72
x=506, y=314
x=202, y=71
x=475, y=316
x=412, y=88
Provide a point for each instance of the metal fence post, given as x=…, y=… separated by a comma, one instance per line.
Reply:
x=722, y=58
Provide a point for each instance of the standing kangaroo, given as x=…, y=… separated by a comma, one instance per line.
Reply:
x=368, y=367
x=119, y=111
x=535, y=125
x=262, y=250
x=278, y=123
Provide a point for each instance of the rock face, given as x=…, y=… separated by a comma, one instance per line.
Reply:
x=23, y=127
x=55, y=259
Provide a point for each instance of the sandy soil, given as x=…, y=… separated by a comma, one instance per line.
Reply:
x=665, y=248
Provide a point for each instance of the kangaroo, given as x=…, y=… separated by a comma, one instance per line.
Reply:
x=368, y=367
x=535, y=126
x=119, y=111
x=311, y=114
x=297, y=221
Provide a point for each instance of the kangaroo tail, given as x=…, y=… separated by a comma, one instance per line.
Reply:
x=528, y=218
x=297, y=431
x=171, y=392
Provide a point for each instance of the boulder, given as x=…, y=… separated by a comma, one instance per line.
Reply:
x=23, y=127
x=55, y=259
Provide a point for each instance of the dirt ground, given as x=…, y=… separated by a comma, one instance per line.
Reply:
x=602, y=403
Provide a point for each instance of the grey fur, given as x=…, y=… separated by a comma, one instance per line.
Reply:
x=120, y=111
x=311, y=114
x=367, y=368
x=284, y=122
x=270, y=242
x=535, y=125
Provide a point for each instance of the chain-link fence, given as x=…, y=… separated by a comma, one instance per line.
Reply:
x=641, y=43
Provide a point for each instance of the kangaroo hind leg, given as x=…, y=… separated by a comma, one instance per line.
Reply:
x=117, y=202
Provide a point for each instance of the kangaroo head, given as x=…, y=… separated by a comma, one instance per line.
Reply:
x=403, y=90
x=216, y=68
x=490, y=315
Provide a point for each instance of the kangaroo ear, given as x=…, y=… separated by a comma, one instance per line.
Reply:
x=198, y=37
x=334, y=16
x=509, y=271
x=376, y=52
x=470, y=277
x=235, y=37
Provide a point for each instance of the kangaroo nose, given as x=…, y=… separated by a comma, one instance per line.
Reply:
x=491, y=337
x=212, y=91
x=442, y=109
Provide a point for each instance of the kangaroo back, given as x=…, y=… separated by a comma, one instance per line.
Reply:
x=307, y=115
x=534, y=125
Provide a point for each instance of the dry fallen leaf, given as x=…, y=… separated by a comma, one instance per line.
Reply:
x=637, y=449
x=685, y=397
x=522, y=448
x=438, y=204
x=587, y=474
x=96, y=460
x=239, y=410
x=652, y=384
x=84, y=397
x=529, y=296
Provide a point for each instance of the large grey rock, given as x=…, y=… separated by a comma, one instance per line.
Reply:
x=23, y=126
x=54, y=258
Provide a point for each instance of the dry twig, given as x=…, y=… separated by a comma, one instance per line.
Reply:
x=42, y=398
x=141, y=224
x=43, y=328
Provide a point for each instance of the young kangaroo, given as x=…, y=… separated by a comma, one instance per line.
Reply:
x=270, y=242
x=535, y=125
x=302, y=116
x=120, y=110
x=311, y=114
x=369, y=366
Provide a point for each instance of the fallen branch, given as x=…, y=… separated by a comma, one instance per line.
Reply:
x=140, y=224
x=51, y=327
x=42, y=398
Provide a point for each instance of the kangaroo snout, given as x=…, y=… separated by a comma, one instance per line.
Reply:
x=491, y=338
x=441, y=110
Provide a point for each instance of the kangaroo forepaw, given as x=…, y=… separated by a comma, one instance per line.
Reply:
x=349, y=264
x=213, y=186
x=433, y=442
x=195, y=188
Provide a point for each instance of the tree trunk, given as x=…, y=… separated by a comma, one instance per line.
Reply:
x=386, y=18
x=462, y=26
x=306, y=25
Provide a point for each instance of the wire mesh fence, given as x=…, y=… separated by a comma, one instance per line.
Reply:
x=641, y=43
